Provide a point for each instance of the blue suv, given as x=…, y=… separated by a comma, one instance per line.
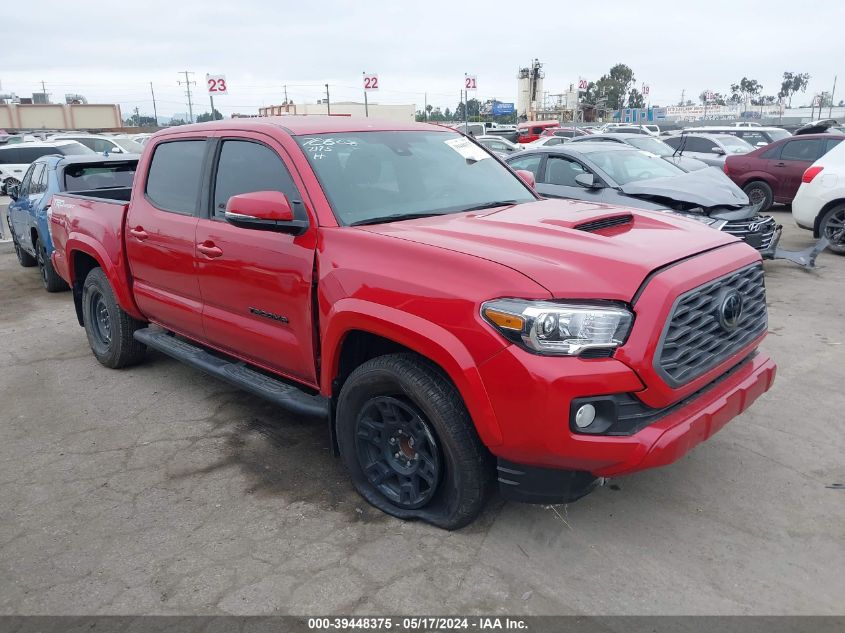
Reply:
x=89, y=174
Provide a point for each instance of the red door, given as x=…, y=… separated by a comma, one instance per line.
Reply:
x=255, y=284
x=795, y=156
x=160, y=236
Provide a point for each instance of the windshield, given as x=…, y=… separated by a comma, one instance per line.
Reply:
x=734, y=144
x=371, y=175
x=653, y=145
x=128, y=145
x=74, y=149
x=778, y=134
x=631, y=166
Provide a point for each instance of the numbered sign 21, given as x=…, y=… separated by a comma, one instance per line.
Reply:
x=216, y=84
x=370, y=82
x=470, y=82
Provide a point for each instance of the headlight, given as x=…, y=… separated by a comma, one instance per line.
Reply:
x=558, y=329
x=716, y=224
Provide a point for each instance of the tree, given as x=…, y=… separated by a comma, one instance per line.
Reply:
x=792, y=83
x=206, y=116
x=635, y=99
x=744, y=90
x=614, y=86
x=718, y=98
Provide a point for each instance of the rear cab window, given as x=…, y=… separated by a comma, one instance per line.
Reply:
x=98, y=176
x=175, y=175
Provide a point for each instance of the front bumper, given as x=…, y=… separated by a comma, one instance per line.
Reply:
x=543, y=477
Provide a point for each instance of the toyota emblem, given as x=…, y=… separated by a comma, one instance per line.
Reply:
x=730, y=311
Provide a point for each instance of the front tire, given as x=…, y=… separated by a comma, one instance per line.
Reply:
x=49, y=277
x=110, y=330
x=832, y=226
x=409, y=444
x=759, y=191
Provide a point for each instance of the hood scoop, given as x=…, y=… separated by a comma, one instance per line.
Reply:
x=605, y=223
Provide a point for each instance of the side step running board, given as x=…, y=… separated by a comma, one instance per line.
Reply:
x=237, y=373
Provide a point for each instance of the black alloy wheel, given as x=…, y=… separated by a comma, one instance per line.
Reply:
x=397, y=451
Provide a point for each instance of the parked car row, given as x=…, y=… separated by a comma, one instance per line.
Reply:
x=456, y=330
x=15, y=159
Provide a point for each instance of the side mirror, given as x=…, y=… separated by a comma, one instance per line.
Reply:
x=586, y=180
x=717, y=150
x=527, y=177
x=12, y=191
x=263, y=210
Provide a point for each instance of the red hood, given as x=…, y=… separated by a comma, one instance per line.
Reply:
x=539, y=240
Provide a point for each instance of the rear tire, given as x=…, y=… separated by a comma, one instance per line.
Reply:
x=832, y=226
x=110, y=330
x=759, y=191
x=409, y=444
x=24, y=259
x=49, y=277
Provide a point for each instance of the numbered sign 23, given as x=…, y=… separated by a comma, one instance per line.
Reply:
x=370, y=82
x=216, y=84
x=470, y=82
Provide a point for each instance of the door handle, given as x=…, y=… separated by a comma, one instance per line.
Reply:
x=139, y=233
x=780, y=164
x=209, y=249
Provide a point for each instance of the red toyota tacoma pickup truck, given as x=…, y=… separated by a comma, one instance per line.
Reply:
x=451, y=326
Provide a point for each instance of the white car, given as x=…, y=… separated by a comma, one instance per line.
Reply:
x=103, y=144
x=16, y=158
x=819, y=205
x=548, y=140
x=498, y=145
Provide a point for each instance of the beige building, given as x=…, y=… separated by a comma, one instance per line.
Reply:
x=390, y=112
x=60, y=116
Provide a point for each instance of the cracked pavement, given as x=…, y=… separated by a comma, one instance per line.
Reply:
x=159, y=490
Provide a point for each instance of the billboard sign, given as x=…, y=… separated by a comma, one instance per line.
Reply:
x=503, y=109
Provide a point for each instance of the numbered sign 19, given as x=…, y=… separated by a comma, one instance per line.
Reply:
x=470, y=82
x=582, y=84
x=370, y=82
x=646, y=89
x=216, y=84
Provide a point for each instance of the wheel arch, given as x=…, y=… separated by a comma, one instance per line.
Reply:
x=827, y=207
x=83, y=256
x=358, y=331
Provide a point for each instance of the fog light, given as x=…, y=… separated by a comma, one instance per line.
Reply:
x=585, y=415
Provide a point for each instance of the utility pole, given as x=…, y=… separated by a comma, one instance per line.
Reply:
x=832, y=92
x=137, y=116
x=155, y=112
x=286, y=98
x=328, y=102
x=188, y=83
x=44, y=92
x=425, y=106
x=683, y=92
x=366, y=104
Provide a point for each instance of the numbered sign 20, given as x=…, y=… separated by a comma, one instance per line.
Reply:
x=470, y=82
x=370, y=82
x=582, y=84
x=216, y=84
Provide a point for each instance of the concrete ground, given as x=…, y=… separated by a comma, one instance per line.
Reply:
x=159, y=490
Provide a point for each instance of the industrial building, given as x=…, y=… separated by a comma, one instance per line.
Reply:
x=59, y=116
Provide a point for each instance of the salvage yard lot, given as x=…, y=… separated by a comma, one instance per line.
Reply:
x=157, y=489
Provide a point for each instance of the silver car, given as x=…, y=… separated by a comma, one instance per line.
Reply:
x=712, y=149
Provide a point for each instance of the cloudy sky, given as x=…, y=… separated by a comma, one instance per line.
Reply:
x=110, y=52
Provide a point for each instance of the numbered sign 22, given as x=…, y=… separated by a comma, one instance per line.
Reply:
x=370, y=82
x=216, y=84
x=470, y=82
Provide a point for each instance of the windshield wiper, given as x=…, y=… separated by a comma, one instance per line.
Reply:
x=488, y=205
x=395, y=217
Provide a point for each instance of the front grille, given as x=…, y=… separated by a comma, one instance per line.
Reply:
x=695, y=339
x=605, y=223
x=758, y=231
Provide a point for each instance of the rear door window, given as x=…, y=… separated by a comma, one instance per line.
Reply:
x=528, y=163
x=806, y=150
x=35, y=182
x=831, y=143
x=245, y=167
x=175, y=174
x=9, y=156
x=699, y=144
